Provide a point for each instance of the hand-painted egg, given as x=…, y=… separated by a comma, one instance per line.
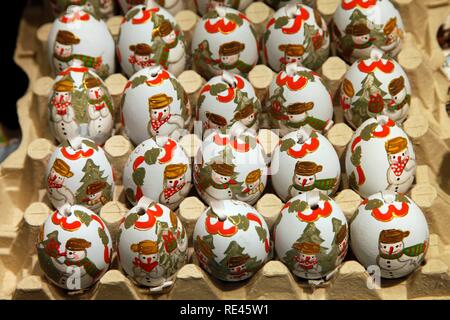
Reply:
x=276, y=4
x=172, y=6
x=101, y=8
x=203, y=6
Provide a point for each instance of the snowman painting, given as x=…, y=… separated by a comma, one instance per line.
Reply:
x=147, y=270
x=394, y=259
x=99, y=110
x=229, y=53
x=204, y=253
x=306, y=262
x=362, y=39
x=347, y=94
x=298, y=116
x=95, y=198
x=62, y=114
x=393, y=37
x=398, y=107
x=214, y=121
x=182, y=240
x=162, y=121
x=141, y=56
x=400, y=174
x=173, y=54
x=173, y=6
x=175, y=185
x=247, y=116
x=292, y=53
x=75, y=256
x=236, y=266
x=341, y=241
x=221, y=182
x=59, y=194
x=253, y=187
x=305, y=179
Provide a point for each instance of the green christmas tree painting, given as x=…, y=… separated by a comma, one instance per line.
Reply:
x=237, y=263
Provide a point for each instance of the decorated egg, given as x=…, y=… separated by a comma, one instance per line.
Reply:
x=103, y=9
x=74, y=248
x=79, y=36
x=78, y=172
x=276, y=4
x=304, y=161
x=158, y=169
x=380, y=157
x=298, y=98
x=296, y=33
x=389, y=231
x=154, y=104
x=230, y=166
x=361, y=25
x=311, y=236
x=224, y=40
x=203, y=6
x=231, y=240
x=227, y=99
x=150, y=36
x=172, y=6
x=152, y=244
x=375, y=86
x=80, y=105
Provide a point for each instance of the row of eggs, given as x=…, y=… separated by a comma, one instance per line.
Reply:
x=232, y=241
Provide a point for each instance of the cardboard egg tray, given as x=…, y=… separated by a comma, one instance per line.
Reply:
x=24, y=205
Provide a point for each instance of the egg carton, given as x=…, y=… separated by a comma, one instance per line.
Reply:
x=24, y=205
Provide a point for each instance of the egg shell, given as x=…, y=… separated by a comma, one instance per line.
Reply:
x=276, y=4
x=311, y=237
x=172, y=6
x=81, y=176
x=158, y=172
x=101, y=8
x=372, y=158
x=78, y=36
x=74, y=250
x=152, y=244
x=296, y=33
x=298, y=98
x=236, y=247
x=224, y=39
x=203, y=6
x=361, y=25
x=375, y=86
x=154, y=104
x=390, y=231
x=149, y=35
x=302, y=162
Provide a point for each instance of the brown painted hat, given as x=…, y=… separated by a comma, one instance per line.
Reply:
x=159, y=101
x=66, y=37
x=348, y=89
x=231, y=48
x=244, y=112
x=136, y=2
x=164, y=29
x=342, y=234
x=390, y=26
x=216, y=119
x=63, y=86
x=299, y=107
x=317, y=17
x=223, y=169
x=359, y=29
x=173, y=171
x=396, y=85
x=62, y=168
x=292, y=50
x=396, y=145
x=145, y=247
x=95, y=187
x=173, y=219
x=307, y=168
x=307, y=247
x=237, y=260
x=77, y=244
x=392, y=236
x=204, y=248
x=141, y=49
x=253, y=176
x=92, y=83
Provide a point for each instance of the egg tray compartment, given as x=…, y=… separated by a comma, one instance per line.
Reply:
x=24, y=206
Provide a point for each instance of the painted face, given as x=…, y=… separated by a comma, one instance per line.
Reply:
x=160, y=114
x=249, y=120
x=63, y=50
x=141, y=59
x=237, y=269
x=391, y=248
x=361, y=39
x=398, y=157
x=229, y=60
x=217, y=178
x=172, y=183
x=253, y=185
x=95, y=196
x=75, y=255
x=297, y=117
x=290, y=59
x=399, y=97
x=307, y=260
x=202, y=258
x=95, y=93
x=56, y=178
x=148, y=258
x=106, y=5
x=304, y=181
x=62, y=97
x=170, y=38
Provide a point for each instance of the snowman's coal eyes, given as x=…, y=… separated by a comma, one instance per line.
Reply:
x=385, y=247
x=310, y=179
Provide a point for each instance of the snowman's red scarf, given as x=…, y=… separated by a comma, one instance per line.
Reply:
x=61, y=107
x=168, y=192
x=397, y=168
x=306, y=264
x=51, y=183
x=156, y=124
x=147, y=267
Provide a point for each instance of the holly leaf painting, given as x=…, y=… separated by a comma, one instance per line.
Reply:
x=240, y=221
x=90, y=144
x=352, y=181
x=373, y=204
x=130, y=220
x=130, y=14
x=151, y=156
x=356, y=156
x=138, y=81
x=307, y=75
x=130, y=195
x=178, y=88
x=212, y=14
x=262, y=233
x=401, y=198
x=84, y=217
x=287, y=144
x=298, y=205
x=234, y=17
x=138, y=176
x=218, y=88
x=323, y=197
x=281, y=22
x=103, y=236
x=366, y=133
